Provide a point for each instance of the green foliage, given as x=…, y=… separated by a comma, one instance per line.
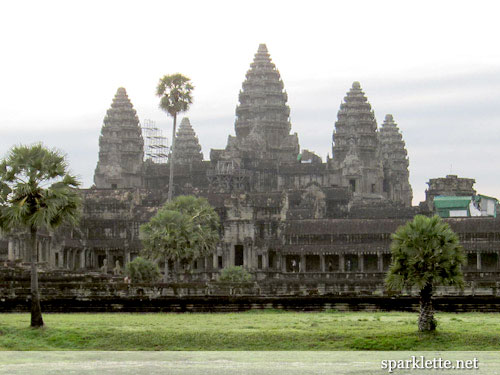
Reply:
x=425, y=251
x=182, y=230
x=175, y=93
x=142, y=270
x=36, y=190
x=235, y=274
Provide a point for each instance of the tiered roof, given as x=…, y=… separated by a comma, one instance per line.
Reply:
x=121, y=146
x=355, y=126
x=395, y=160
x=262, y=123
x=187, y=146
x=394, y=151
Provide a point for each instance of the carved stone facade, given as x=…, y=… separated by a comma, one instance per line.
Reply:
x=121, y=147
x=395, y=160
x=356, y=147
x=283, y=212
x=187, y=146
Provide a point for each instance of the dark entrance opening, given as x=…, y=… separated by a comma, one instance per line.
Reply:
x=352, y=184
x=238, y=255
x=331, y=263
x=313, y=263
x=292, y=263
x=489, y=261
x=273, y=260
x=100, y=260
x=351, y=263
x=371, y=262
x=471, y=262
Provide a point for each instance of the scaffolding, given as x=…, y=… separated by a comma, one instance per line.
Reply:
x=155, y=144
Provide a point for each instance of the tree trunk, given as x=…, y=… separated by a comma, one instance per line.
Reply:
x=426, y=321
x=171, y=161
x=165, y=277
x=36, y=310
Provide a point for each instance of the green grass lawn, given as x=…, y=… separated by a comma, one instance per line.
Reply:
x=253, y=330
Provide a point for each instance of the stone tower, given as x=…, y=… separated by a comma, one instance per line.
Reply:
x=121, y=147
x=262, y=125
x=395, y=159
x=187, y=146
x=356, y=148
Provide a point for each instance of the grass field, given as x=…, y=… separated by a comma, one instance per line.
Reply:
x=253, y=330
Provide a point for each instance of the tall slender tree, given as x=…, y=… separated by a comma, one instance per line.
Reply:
x=175, y=97
x=36, y=191
x=425, y=253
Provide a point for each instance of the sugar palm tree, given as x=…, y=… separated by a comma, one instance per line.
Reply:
x=183, y=230
x=36, y=191
x=425, y=253
x=175, y=97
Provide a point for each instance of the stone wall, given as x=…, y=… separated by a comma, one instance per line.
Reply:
x=92, y=292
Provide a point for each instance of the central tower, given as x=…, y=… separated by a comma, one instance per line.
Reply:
x=262, y=123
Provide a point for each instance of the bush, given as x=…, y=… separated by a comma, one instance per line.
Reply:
x=235, y=274
x=142, y=270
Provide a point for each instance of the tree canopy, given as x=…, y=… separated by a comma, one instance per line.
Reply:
x=175, y=93
x=425, y=253
x=36, y=191
x=182, y=230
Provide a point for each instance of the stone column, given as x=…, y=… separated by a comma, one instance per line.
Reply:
x=83, y=258
x=478, y=257
x=342, y=262
x=302, y=263
x=265, y=261
x=322, y=262
x=361, y=263
x=11, y=251
x=380, y=262
x=215, y=261
x=283, y=263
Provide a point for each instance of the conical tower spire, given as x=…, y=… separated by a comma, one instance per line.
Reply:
x=187, y=146
x=395, y=159
x=121, y=146
x=356, y=148
x=262, y=125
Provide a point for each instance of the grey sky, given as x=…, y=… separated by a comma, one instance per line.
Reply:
x=434, y=65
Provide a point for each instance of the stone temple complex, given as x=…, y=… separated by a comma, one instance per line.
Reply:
x=284, y=211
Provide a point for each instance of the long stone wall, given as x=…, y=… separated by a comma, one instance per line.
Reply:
x=78, y=292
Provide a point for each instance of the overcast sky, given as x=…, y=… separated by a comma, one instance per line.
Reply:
x=434, y=65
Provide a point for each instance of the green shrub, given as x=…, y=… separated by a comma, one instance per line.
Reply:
x=235, y=274
x=142, y=270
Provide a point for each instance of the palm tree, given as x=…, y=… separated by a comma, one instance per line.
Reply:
x=183, y=230
x=425, y=253
x=36, y=191
x=175, y=96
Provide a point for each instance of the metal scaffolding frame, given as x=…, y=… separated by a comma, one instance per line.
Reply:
x=155, y=144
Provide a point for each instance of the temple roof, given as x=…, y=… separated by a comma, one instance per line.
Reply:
x=262, y=124
x=187, y=146
x=393, y=146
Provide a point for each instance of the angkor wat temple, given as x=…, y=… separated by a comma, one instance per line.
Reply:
x=284, y=211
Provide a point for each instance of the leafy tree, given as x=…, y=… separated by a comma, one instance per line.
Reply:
x=175, y=97
x=36, y=191
x=142, y=270
x=235, y=274
x=181, y=231
x=425, y=253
